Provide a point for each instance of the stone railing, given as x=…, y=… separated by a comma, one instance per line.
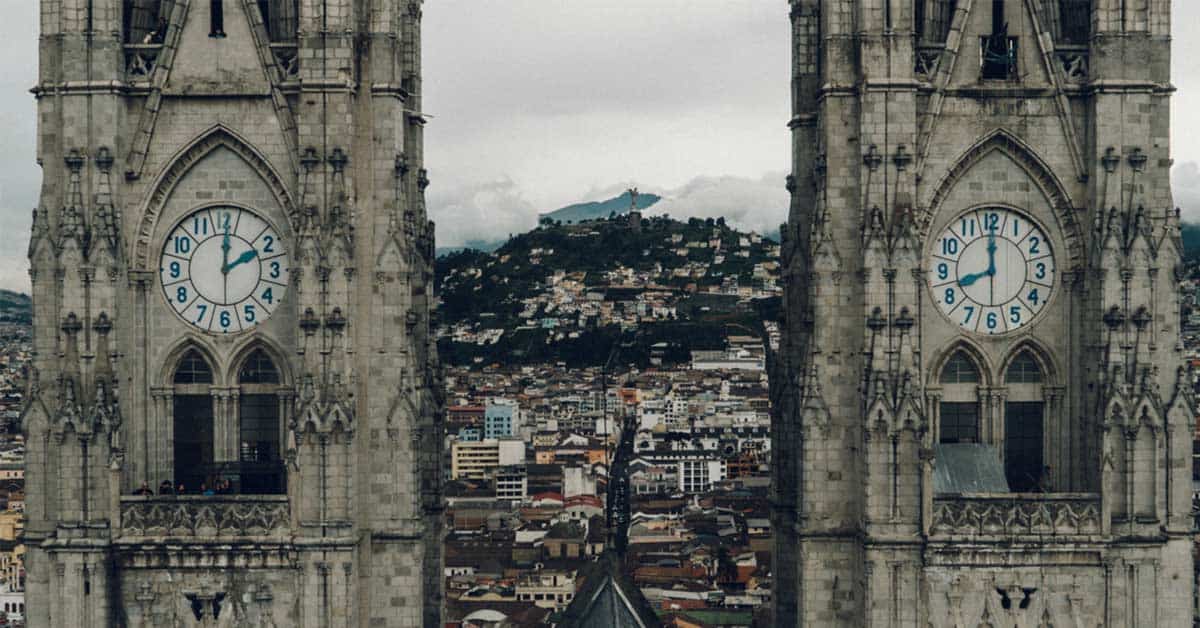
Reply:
x=287, y=56
x=204, y=516
x=1073, y=63
x=1016, y=514
x=140, y=60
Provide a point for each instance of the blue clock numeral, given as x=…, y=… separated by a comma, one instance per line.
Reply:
x=225, y=320
x=949, y=246
x=249, y=310
x=949, y=296
x=203, y=309
x=1033, y=296
x=992, y=321
x=183, y=244
x=181, y=294
x=175, y=270
x=991, y=221
x=270, y=242
x=1033, y=245
x=1016, y=227
x=200, y=226
x=970, y=309
x=226, y=220
x=1041, y=271
x=274, y=270
x=1014, y=314
x=268, y=296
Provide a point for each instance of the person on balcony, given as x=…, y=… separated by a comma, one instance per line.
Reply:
x=144, y=489
x=166, y=488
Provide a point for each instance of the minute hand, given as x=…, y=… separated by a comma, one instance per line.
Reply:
x=242, y=259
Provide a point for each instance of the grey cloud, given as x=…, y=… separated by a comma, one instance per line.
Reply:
x=486, y=211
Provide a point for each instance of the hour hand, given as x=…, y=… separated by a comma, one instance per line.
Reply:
x=242, y=259
x=967, y=280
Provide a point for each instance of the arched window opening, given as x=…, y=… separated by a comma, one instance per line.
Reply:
x=260, y=459
x=281, y=18
x=1024, y=427
x=145, y=21
x=192, y=410
x=960, y=369
x=959, y=410
x=1023, y=370
x=193, y=369
x=258, y=369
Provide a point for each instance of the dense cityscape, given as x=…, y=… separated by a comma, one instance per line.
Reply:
x=529, y=452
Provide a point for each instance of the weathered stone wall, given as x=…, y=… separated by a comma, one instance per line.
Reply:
x=892, y=141
x=321, y=136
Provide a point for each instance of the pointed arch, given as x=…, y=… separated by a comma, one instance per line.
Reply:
x=247, y=349
x=216, y=136
x=190, y=342
x=1041, y=356
x=963, y=346
x=1009, y=144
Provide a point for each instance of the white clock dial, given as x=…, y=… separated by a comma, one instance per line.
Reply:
x=991, y=270
x=224, y=269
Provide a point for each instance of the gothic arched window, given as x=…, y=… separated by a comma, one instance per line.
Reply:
x=959, y=410
x=281, y=18
x=259, y=427
x=1024, y=425
x=192, y=411
x=146, y=20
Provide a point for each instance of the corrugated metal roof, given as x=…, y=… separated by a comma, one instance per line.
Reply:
x=968, y=468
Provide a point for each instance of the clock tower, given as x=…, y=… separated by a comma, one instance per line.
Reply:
x=234, y=411
x=982, y=416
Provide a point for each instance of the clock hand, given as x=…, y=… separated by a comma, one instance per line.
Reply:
x=242, y=259
x=967, y=280
x=225, y=251
x=991, y=249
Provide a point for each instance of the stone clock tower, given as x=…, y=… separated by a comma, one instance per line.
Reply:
x=231, y=267
x=981, y=414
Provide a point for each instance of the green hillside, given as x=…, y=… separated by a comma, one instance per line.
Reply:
x=533, y=286
x=15, y=307
x=599, y=209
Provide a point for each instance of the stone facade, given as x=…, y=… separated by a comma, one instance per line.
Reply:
x=308, y=113
x=907, y=114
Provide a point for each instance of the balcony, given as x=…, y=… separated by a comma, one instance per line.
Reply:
x=1016, y=515
x=140, y=61
x=205, y=517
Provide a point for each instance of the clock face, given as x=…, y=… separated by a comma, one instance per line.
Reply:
x=224, y=269
x=991, y=270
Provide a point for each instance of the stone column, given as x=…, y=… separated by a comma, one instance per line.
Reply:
x=161, y=434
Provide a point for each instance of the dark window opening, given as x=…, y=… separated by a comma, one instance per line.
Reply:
x=216, y=18
x=258, y=369
x=935, y=25
x=1075, y=20
x=959, y=370
x=999, y=57
x=193, y=440
x=281, y=19
x=1024, y=370
x=959, y=422
x=193, y=369
x=998, y=50
x=1023, y=455
x=260, y=467
x=145, y=21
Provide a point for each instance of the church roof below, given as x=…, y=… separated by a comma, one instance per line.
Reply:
x=608, y=599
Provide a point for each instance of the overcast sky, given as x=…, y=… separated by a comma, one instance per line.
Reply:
x=536, y=104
